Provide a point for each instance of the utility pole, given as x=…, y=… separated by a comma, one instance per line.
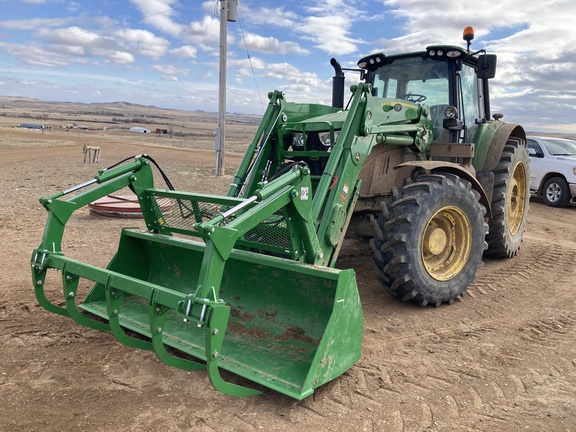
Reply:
x=228, y=13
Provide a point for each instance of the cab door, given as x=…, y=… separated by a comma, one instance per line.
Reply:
x=469, y=98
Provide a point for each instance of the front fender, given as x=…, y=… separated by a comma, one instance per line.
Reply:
x=453, y=168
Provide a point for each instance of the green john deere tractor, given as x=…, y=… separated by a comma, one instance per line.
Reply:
x=248, y=282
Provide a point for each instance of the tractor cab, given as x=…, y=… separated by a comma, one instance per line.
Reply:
x=450, y=80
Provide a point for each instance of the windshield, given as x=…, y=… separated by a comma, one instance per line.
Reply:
x=560, y=147
x=408, y=78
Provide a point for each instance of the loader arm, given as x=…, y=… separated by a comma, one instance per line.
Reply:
x=369, y=122
x=336, y=188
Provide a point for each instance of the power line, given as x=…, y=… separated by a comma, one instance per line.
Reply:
x=250, y=62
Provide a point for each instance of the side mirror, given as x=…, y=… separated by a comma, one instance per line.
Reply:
x=487, y=66
x=452, y=124
x=535, y=153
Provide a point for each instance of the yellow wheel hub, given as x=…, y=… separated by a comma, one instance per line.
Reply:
x=446, y=243
x=517, y=198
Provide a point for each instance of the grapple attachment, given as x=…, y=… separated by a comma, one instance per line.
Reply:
x=233, y=298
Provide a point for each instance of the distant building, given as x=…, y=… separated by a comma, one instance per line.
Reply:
x=139, y=129
x=161, y=131
x=34, y=126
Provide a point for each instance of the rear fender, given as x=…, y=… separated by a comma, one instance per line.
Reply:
x=453, y=168
x=491, y=141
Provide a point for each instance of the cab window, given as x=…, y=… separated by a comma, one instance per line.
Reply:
x=417, y=80
x=470, y=100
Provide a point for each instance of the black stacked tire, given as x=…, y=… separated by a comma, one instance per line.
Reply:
x=510, y=201
x=430, y=239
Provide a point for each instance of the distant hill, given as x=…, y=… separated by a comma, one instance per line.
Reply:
x=36, y=108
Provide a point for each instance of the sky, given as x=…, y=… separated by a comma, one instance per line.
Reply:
x=166, y=52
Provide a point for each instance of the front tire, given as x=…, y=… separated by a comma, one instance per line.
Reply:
x=510, y=201
x=556, y=192
x=430, y=239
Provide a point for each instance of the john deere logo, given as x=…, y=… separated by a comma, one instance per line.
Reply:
x=357, y=157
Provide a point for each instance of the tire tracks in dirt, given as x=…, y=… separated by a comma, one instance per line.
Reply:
x=470, y=391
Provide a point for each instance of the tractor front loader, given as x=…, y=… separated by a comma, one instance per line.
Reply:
x=248, y=283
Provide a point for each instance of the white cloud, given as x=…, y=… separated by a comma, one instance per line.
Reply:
x=170, y=70
x=290, y=75
x=525, y=26
x=70, y=45
x=204, y=33
x=253, y=62
x=35, y=56
x=142, y=42
x=72, y=36
x=327, y=23
x=68, y=50
x=159, y=14
x=185, y=51
x=271, y=45
x=25, y=24
x=261, y=16
x=329, y=33
x=121, y=57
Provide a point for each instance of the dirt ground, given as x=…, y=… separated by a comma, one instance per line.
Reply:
x=502, y=359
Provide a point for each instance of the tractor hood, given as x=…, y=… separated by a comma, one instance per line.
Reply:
x=333, y=121
x=313, y=117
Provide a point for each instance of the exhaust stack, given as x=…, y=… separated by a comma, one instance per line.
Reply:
x=337, y=84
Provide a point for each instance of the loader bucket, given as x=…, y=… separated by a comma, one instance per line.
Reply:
x=292, y=326
x=233, y=283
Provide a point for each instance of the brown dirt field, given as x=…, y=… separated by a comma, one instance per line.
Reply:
x=502, y=359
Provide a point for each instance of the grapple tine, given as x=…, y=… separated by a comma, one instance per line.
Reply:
x=114, y=301
x=158, y=315
x=70, y=288
x=38, y=279
x=215, y=331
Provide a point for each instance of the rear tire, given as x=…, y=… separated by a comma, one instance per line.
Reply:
x=430, y=239
x=510, y=201
x=556, y=192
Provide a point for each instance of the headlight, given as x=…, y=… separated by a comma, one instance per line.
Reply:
x=297, y=139
x=453, y=54
x=326, y=138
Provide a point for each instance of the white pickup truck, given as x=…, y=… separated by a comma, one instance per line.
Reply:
x=552, y=169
